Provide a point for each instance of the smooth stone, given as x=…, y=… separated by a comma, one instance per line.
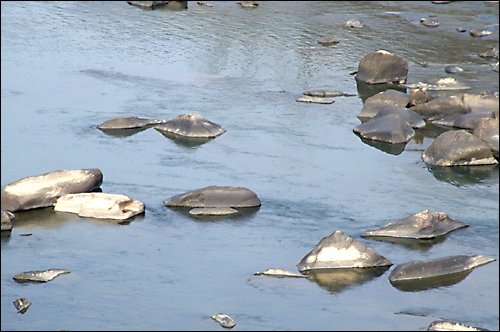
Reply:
x=100, y=205
x=465, y=121
x=248, y=4
x=317, y=100
x=444, y=325
x=7, y=217
x=147, y=3
x=439, y=84
x=481, y=102
x=328, y=41
x=327, y=93
x=414, y=119
x=418, y=96
x=391, y=128
x=22, y=304
x=354, y=23
x=487, y=130
x=43, y=190
x=429, y=22
x=461, y=30
x=212, y=211
x=224, y=320
x=442, y=107
x=215, y=197
x=375, y=103
x=422, y=225
x=191, y=125
x=418, y=270
x=493, y=53
x=453, y=69
x=39, y=276
x=382, y=67
x=458, y=148
x=130, y=122
x=479, y=33
x=341, y=251
x=279, y=273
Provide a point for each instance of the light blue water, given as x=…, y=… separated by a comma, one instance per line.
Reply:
x=69, y=66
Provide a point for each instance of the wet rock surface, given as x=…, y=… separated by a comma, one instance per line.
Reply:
x=39, y=276
x=22, y=304
x=215, y=197
x=316, y=100
x=279, y=273
x=130, y=122
x=224, y=320
x=191, y=125
x=375, y=103
x=382, y=67
x=444, y=325
x=390, y=128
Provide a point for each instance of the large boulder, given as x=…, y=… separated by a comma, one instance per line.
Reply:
x=215, y=197
x=391, y=128
x=43, y=190
x=442, y=107
x=341, y=251
x=413, y=119
x=458, y=148
x=465, y=121
x=191, y=125
x=375, y=103
x=478, y=103
x=487, y=130
x=382, y=67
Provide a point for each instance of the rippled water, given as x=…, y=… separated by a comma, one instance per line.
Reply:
x=69, y=66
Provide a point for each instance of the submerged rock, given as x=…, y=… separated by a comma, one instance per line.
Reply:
x=147, y=3
x=429, y=22
x=327, y=93
x=279, y=273
x=418, y=96
x=130, y=122
x=328, y=41
x=317, y=100
x=224, y=320
x=7, y=220
x=22, y=304
x=191, y=125
x=390, y=128
x=458, y=148
x=382, y=67
x=439, y=84
x=341, y=251
x=493, y=53
x=479, y=33
x=355, y=23
x=417, y=270
x=223, y=211
x=375, y=103
x=43, y=190
x=443, y=325
x=39, y=276
x=422, y=225
x=215, y=197
x=453, y=69
x=100, y=205
x=248, y=4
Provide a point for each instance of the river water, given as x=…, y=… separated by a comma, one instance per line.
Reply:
x=69, y=66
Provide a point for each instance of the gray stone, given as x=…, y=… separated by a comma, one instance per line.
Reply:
x=7, y=220
x=280, y=273
x=355, y=23
x=453, y=69
x=39, y=276
x=317, y=100
x=414, y=119
x=391, y=128
x=327, y=93
x=418, y=96
x=442, y=107
x=191, y=125
x=382, y=67
x=487, y=130
x=22, y=305
x=224, y=320
x=443, y=325
x=217, y=211
x=328, y=41
x=479, y=33
x=374, y=104
x=215, y=197
x=130, y=122
x=429, y=22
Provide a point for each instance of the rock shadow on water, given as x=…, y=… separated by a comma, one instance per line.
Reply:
x=120, y=133
x=411, y=244
x=366, y=90
x=184, y=141
x=430, y=283
x=243, y=214
x=338, y=280
x=465, y=175
x=390, y=148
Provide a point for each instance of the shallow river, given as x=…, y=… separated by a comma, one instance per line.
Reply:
x=69, y=66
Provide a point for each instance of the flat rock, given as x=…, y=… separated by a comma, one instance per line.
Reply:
x=444, y=325
x=458, y=148
x=391, y=128
x=280, y=273
x=429, y=22
x=418, y=270
x=100, y=205
x=39, y=276
x=327, y=93
x=191, y=125
x=341, y=251
x=422, y=225
x=222, y=211
x=224, y=320
x=130, y=122
x=215, y=197
x=317, y=100
x=453, y=69
x=493, y=53
x=328, y=41
x=414, y=119
x=480, y=33
x=43, y=190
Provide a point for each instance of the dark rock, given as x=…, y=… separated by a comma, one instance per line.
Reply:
x=382, y=67
x=191, y=125
x=215, y=196
x=374, y=104
x=391, y=128
x=442, y=107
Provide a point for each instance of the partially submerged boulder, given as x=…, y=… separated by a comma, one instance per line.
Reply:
x=418, y=270
x=458, y=148
x=22, y=304
x=43, y=190
x=484, y=102
x=391, y=128
x=39, y=276
x=100, y=205
x=465, y=121
x=442, y=107
x=444, y=325
x=341, y=251
x=279, y=273
x=7, y=220
x=328, y=41
x=382, y=67
x=130, y=122
x=414, y=119
x=493, y=53
x=316, y=100
x=191, y=125
x=422, y=225
x=327, y=93
x=215, y=197
x=488, y=131
x=374, y=104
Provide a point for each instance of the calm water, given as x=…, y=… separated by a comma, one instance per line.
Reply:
x=69, y=66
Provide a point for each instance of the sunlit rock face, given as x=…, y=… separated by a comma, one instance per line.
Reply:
x=341, y=251
x=100, y=205
x=39, y=276
x=130, y=122
x=382, y=67
x=215, y=197
x=191, y=125
x=443, y=325
x=422, y=225
x=488, y=131
x=418, y=270
x=458, y=148
x=43, y=190
x=374, y=104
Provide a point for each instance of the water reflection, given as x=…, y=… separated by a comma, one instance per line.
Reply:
x=189, y=142
x=336, y=280
x=242, y=215
x=390, y=148
x=412, y=244
x=124, y=132
x=465, y=175
x=366, y=91
x=429, y=283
